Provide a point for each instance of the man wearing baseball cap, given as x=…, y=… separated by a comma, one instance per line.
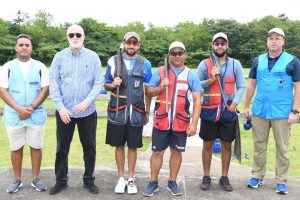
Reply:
x=172, y=84
x=219, y=80
x=276, y=75
x=127, y=71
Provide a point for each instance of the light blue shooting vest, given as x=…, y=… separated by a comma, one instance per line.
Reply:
x=274, y=97
x=24, y=93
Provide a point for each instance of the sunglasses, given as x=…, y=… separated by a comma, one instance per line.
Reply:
x=78, y=35
x=134, y=43
x=176, y=53
x=219, y=44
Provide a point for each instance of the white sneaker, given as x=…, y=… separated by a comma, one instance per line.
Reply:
x=121, y=186
x=131, y=188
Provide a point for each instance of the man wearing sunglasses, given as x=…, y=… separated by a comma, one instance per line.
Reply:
x=24, y=86
x=75, y=82
x=218, y=118
x=172, y=124
x=128, y=110
x=276, y=75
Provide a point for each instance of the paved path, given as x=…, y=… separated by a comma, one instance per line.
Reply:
x=189, y=179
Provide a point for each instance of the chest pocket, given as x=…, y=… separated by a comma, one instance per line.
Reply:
x=229, y=85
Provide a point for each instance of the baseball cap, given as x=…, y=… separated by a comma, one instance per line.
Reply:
x=131, y=34
x=279, y=31
x=220, y=35
x=176, y=44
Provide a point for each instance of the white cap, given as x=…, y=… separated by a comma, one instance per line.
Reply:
x=131, y=34
x=279, y=31
x=220, y=35
x=176, y=44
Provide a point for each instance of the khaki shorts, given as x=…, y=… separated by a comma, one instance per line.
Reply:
x=33, y=136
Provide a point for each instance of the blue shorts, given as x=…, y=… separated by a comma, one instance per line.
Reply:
x=162, y=139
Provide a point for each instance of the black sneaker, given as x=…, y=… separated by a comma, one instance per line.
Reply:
x=91, y=187
x=206, y=183
x=57, y=188
x=225, y=185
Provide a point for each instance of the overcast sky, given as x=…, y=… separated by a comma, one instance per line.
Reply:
x=158, y=12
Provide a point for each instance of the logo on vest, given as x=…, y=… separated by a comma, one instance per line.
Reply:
x=137, y=83
x=33, y=83
x=15, y=91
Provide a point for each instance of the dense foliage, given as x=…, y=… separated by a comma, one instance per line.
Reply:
x=246, y=41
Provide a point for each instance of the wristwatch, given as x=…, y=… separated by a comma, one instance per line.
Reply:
x=32, y=106
x=295, y=111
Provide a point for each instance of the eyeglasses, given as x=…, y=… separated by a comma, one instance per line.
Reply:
x=176, y=53
x=78, y=35
x=134, y=43
x=219, y=44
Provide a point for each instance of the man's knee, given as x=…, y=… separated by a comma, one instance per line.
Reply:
x=226, y=146
x=175, y=153
x=157, y=154
x=207, y=145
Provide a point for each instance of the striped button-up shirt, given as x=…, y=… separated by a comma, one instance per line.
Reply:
x=75, y=79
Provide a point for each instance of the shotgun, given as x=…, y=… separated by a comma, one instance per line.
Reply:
x=118, y=72
x=216, y=63
x=167, y=88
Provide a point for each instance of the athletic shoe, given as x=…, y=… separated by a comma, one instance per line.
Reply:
x=173, y=188
x=206, y=183
x=281, y=188
x=14, y=187
x=225, y=185
x=254, y=183
x=121, y=186
x=38, y=185
x=151, y=188
x=131, y=188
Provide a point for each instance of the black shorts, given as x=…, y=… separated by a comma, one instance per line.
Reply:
x=162, y=139
x=120, y=135
x=223, y=130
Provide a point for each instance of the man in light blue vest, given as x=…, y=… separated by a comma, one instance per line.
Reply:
x=275, y=74
x=24, y=86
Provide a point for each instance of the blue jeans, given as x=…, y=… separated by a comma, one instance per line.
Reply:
x=87, y=133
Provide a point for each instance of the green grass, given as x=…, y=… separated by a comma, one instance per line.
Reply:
x=294, y=150
x=105, y=153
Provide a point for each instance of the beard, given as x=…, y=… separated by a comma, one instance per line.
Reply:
x=131, y=52
x=76, y=46
x=220, y=54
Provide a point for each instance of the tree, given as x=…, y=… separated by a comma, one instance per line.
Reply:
x=100, y=38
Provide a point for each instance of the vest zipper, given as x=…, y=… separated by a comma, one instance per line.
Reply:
x=172, y=103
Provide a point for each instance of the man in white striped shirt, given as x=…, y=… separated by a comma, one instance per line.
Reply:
x=75, y=82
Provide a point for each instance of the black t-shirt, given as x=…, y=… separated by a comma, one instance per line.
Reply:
x=292, y=69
